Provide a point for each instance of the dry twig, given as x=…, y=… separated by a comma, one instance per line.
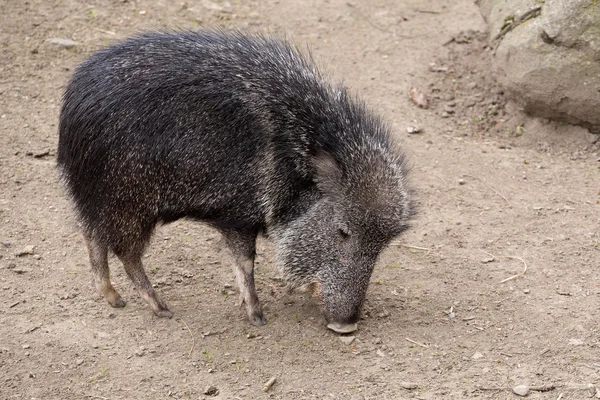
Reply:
x=543, y=388
x=269, y=383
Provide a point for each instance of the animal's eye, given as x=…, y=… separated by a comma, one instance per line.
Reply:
x=344, y=232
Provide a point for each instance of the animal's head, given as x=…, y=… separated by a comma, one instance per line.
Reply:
x=335, y=244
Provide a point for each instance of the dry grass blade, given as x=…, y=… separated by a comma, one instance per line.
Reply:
x=408, y=246
x=491, y=188
x=520, y=273
x=192, y=335
x=417, y=343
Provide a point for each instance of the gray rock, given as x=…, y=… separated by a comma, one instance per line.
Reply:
x=547, y=56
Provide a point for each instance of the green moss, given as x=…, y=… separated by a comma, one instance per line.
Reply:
x=509, y=20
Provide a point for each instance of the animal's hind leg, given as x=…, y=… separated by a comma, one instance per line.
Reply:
x=242, y=248
x=132, y=261
x=99, y=262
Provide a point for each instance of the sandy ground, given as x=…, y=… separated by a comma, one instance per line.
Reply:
x=497, y=191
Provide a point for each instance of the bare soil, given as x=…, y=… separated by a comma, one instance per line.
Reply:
x=497, y=191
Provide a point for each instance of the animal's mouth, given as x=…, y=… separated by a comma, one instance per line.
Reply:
x=314, y=288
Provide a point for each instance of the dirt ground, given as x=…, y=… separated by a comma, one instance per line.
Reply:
x=497, y=191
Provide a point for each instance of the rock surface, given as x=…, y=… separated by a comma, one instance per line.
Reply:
x=547, y=56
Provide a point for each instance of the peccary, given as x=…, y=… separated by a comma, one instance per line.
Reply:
x=244, y=133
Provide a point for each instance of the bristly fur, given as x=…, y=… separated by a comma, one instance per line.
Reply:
x=240, y=131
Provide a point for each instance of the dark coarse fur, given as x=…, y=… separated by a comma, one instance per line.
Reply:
x=244, y=133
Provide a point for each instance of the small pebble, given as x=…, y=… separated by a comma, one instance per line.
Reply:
x=408, y=385
x=347, y=339
x=419, y=98
x=449, y=109
x=521, y=390
x=380, y=353
x=211, y=390
x=413, y=129
x=26, y=346
x=526, y=291
x=487, y=260
x=477, y=356
x=79, y=361
x=63, y=43
x=41, y=154
x=377, y=341
x=461, y=181
x=27, y=250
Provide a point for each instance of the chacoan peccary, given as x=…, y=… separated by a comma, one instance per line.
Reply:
x=241, y=132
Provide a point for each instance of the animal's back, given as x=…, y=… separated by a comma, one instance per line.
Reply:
x=163, y=122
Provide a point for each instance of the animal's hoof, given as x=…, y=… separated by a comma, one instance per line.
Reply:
x=119, y=303
x=166, y=313
x=258, y=319
x=342, y=328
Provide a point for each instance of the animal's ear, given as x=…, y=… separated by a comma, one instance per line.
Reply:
x=328, y=174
